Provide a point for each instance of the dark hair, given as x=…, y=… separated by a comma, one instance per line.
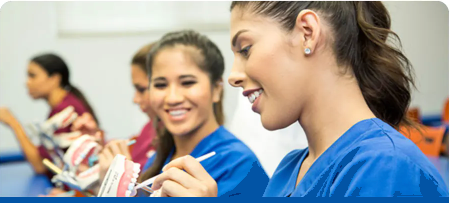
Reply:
x=209, y=59
x=361, y=35
x=140, y=57
x=53, y=64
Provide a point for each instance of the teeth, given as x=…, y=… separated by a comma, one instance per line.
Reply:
x=127, y=193
x=133, y=180
x=136, y=168
x=131, y=186
x=177, y=112
x=253, y=96
x=78, y=160
x=135, y=175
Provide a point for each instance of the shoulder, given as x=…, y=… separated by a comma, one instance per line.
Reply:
x=383, y=143
x=386, y=170
x=72, y=100
x=230, y=147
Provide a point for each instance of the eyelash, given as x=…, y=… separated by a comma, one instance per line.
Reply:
x=188, y=83
x=245, y=51
x=141, y=90
x=159, y=86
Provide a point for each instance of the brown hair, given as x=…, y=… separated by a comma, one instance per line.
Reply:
x=54, y=64
x=361, y=40
x=210, y=60
x=140, y=57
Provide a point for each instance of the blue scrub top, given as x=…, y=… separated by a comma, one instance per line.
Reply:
x=370, y=159
x=235, y=167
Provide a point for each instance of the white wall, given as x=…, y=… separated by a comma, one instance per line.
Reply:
x=423, y=29
x=100, y=68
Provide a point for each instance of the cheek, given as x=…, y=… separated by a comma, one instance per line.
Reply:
x=156, y=98
x=199, y=97
x=145, y=98
x=38, y=84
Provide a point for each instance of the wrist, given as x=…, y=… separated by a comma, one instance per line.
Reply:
x=13, y=123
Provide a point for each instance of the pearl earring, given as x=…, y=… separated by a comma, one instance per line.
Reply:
x=307, y=51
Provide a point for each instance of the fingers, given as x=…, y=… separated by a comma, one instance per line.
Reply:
x=194, y=181
x=98, y=136
x=191, y=166
x=105, y=162
x=173, y=189
x=114, y=147
x=177, y=175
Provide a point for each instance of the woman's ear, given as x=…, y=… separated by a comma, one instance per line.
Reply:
x=55, y=80
x=217, y=91
x=307, y=30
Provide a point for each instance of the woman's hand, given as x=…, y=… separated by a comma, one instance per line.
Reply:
x=193, y=182
x=85, y=124
x=6, y=116
x=108, y=153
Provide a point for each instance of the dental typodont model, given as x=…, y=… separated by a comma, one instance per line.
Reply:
x=75, y=160
x=120, y=180
x=46, y=133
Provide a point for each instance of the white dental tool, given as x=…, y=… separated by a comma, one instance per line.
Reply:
x=151, y=180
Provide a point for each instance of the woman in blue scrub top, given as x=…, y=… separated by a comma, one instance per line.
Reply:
x=329, y=67
x=185, y=70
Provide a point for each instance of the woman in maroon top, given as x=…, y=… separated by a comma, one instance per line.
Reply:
x=48, y=79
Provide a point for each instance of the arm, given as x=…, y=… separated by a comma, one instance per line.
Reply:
x=31, y=152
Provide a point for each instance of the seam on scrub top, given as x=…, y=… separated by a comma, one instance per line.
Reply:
x=387, y=135
x=406, y=157
x=347, y=150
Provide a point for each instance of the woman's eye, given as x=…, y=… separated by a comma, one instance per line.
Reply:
x=245, y=51
x=159, y=85
x=188, y=83
x=141, y=90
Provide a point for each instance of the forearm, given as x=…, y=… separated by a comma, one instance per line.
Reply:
x=30, y=151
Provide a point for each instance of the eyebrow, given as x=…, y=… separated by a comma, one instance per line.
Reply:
x=181, y=77
x=159, y=78
x=233, y=42
x=187, y=76
x=137, y=86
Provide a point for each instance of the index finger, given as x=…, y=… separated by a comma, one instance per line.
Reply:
x=191, y=166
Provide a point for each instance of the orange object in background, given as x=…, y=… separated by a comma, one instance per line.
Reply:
x=429, y=141
x=445, y=112
x=414, y=114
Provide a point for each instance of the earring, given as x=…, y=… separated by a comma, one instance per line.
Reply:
x=307, y=51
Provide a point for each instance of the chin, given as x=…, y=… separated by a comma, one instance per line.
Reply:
x=34, y=96
x=177, y=131
x=274, y=124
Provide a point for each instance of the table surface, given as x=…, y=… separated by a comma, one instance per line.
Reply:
x=17, y=179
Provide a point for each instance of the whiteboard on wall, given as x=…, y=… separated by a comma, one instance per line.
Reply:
x=109, y=18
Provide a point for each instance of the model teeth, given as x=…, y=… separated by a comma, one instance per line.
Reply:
x=135, y=175
x=127, y=193
x=136, y=168
x=130, y=186
x=253, y=96
x=133, y=180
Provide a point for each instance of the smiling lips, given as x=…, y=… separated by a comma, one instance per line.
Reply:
x=253, y=94
x=177, y=114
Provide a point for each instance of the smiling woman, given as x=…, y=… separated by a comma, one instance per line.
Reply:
x=185, y=70
x=330, y=67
